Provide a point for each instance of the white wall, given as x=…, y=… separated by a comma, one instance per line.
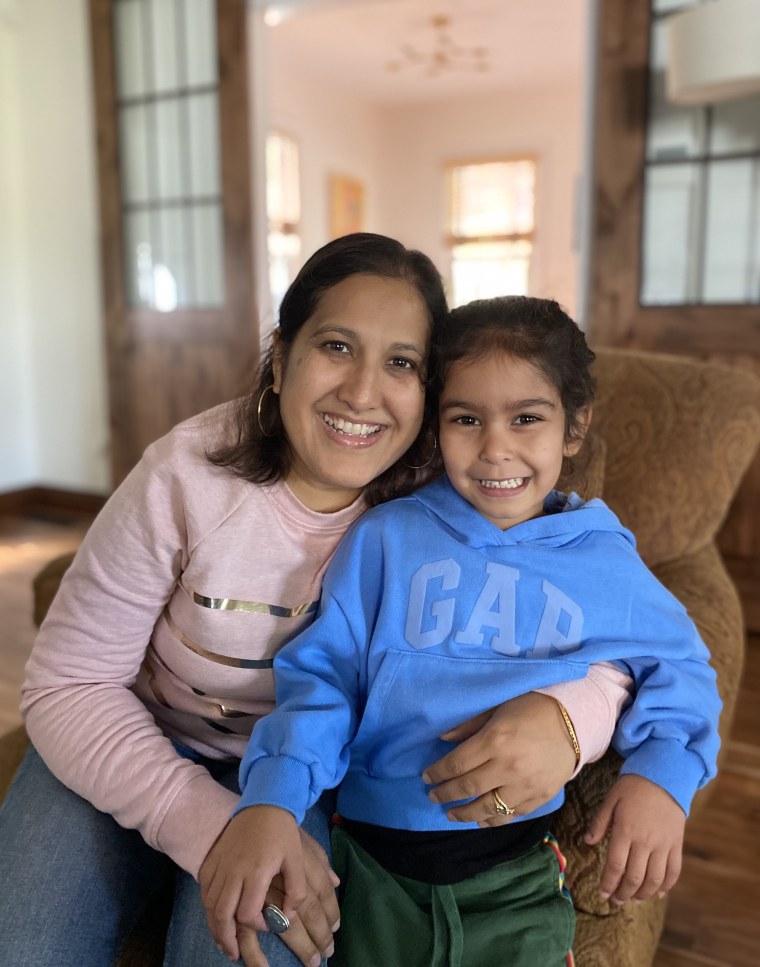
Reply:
x=419, y=139
x=337, y=132
x=54, y=422
x=16, y=400
x=400, y=152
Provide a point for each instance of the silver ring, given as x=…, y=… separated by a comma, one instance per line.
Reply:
x=275, y=918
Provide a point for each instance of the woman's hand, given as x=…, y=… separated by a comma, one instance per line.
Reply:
x=520, y=748
x=237, y=881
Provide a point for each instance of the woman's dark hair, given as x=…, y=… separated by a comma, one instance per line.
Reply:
x=264, y=455
x=536, y=330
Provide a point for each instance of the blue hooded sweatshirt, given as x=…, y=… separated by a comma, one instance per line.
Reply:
x=431, y=614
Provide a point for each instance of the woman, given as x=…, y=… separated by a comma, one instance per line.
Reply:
x=155, y=660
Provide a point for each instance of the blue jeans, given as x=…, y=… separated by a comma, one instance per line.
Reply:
x=73, y=883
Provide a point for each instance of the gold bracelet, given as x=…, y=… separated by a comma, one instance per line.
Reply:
x=570, y=731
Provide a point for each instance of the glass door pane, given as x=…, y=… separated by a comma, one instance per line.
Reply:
x=168, y=105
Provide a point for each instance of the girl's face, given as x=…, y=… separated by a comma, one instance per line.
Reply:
x=350, y=388
x=502, y=436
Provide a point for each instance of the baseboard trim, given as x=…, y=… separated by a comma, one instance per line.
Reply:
x=46, y=500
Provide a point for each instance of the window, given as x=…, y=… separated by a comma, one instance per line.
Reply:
x=283, y=213
x=167, y=103
x=701, y=233
x=490, y=228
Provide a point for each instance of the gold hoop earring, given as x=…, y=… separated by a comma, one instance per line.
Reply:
x=428, y=461
x=258, y=411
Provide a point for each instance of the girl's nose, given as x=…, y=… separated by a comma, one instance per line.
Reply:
x=360, y=387
x=496, y=447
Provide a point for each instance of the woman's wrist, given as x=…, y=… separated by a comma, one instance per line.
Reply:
x=569, y=729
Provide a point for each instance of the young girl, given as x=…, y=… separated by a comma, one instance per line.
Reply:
x=481, y=586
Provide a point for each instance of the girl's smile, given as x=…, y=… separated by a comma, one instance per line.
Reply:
x=513, y=484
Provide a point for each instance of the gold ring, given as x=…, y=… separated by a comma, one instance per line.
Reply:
x=501, y=807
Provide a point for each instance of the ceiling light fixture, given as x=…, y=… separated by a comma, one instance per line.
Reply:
x=445, y=56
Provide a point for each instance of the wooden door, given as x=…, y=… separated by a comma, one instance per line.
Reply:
x=170, y=90
x=657, y=280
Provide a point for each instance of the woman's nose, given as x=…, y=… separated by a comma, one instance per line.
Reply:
x=360, y=388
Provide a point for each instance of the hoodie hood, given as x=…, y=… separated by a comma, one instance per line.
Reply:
x=555, y=528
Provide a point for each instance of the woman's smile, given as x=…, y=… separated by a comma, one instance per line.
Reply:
x=349, y=432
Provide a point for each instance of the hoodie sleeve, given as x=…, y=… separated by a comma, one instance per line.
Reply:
x=669, y=733
x=301, y=748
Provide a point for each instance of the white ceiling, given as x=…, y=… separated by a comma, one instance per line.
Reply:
x=530, y=43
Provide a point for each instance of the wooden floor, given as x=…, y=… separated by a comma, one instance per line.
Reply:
x=710, y=920
x=26, y=545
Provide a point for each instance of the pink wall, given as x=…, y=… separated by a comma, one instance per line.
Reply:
x=336, y=132
x=419, y=139
x=399, y=151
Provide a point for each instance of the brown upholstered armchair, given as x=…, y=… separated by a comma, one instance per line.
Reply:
x=676, y=437
x=669, y=443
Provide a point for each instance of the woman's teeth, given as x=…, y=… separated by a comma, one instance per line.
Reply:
x=510, y=484
x=351, y=429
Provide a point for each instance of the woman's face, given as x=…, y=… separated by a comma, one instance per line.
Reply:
x=350, y=388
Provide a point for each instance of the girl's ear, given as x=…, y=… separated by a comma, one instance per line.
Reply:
x=582, y=423
x=277, y=362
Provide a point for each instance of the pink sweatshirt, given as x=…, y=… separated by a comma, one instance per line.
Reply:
x=165, y=626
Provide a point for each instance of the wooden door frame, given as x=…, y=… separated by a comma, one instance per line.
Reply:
x=728, y=333
x=616, y=317
x=236, y=323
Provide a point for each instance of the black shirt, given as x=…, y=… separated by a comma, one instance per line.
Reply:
x=447, y=856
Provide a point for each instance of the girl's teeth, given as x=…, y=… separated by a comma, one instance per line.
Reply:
x=510, y=484
x=351, y=429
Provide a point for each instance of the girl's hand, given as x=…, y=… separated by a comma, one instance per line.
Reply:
x=646, y=840
x=257, y=845
x=310, y=934
x=521, y=748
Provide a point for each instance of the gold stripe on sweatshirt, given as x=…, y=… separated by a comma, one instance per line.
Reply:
x=231, y=713
x=225, y=711
x=212, y=655
x=252, y=607
x=157, y=693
